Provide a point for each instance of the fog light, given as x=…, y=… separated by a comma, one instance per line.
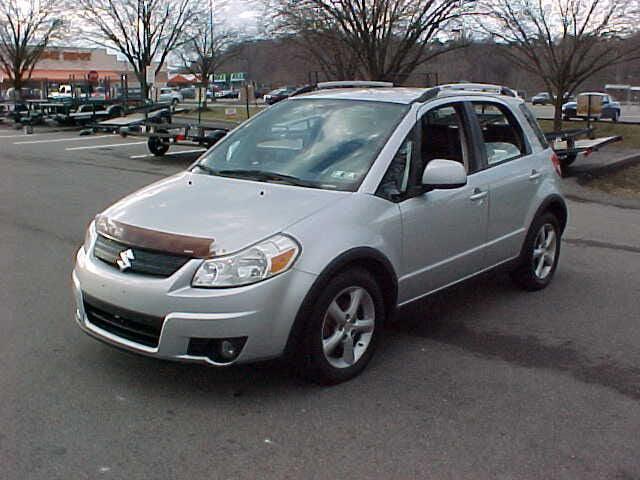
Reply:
x=228, y=350
x=220, y=350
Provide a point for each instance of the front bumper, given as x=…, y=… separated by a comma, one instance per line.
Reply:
x=263, y=312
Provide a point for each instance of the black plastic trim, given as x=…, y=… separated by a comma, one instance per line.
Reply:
x=428, y=95
x=554, y=199
x=354, y=256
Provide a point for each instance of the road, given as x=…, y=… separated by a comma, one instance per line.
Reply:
x=481, y=381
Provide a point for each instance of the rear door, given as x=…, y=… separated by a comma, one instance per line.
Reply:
x=514, y=172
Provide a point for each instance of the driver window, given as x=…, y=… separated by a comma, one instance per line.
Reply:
x=444, y=137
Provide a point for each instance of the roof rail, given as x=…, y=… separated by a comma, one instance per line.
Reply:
x=427, y=95
x=353, y=84
x=303, y=89
x=480, y=87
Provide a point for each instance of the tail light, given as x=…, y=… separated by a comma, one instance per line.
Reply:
x=556, y=164
x=181, y=137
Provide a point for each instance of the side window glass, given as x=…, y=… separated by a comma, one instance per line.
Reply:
x=503, y=138
x=443, y=136
x=535, y=126
x=396, y=181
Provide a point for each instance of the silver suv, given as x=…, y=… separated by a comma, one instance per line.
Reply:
x=302, y=231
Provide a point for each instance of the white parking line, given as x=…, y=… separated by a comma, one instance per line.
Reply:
x=91, y=147
x=22, y=135
x=39, y=134
x=71, y=139
x=178, y=152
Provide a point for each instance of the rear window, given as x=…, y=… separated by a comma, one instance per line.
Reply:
x=535, y=126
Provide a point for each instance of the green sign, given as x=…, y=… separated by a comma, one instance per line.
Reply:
x=238, y=77
x=220, y=77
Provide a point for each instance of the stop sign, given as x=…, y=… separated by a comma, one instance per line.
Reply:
x=92, y=76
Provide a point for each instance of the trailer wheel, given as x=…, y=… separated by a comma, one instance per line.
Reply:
x=157, y=146
x=569, y=159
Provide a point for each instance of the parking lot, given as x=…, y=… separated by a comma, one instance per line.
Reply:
x=480, y=381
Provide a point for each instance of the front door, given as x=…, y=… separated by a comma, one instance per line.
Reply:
x=444, y=231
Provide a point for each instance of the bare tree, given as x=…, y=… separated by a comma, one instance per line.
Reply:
x=207, y=49
x=562, y=42
x=377, y=39
x=144, y=31
x=26, y=28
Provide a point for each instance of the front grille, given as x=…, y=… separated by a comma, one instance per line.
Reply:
x=134, y=326
x=144, y=261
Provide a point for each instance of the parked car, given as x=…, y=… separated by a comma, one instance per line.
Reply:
x=279, y=94
x=170, y=95
x=188, y=92
x=131, y=94
x=302, y=232
x=542, y=98
x=25, y=94
x=227, y=94
x=610, y=108
x=545, y=98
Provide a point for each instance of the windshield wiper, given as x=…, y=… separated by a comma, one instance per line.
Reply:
x=265, y=176
x=207, y=169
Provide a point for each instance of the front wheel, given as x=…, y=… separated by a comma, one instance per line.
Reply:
x=540, y=253
x=343, y=329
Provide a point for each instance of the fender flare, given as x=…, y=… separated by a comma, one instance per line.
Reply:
x=556, y=204
x=366, y=257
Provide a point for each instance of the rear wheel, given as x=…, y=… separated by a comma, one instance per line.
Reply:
x=343, y=328
x=540, y=253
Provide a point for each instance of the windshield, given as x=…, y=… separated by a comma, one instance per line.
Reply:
x=319, y=143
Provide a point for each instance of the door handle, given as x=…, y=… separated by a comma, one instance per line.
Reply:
x=478, y=195
x=534, y=175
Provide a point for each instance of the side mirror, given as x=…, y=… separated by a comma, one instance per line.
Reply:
x=444, y=174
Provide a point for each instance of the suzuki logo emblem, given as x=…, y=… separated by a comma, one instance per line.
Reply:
x=124, y=262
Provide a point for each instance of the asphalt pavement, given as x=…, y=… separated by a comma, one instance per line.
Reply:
x=481, y=381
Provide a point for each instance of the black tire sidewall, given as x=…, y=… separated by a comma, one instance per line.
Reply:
x=317, y=367
x=157, y=147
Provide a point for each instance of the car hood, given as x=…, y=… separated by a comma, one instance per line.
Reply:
x=570, y=105
x=232, y=213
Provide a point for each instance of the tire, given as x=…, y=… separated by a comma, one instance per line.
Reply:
x=615, y=117
x=569, y=159
x=174, y=102
x=331, y=326
x=157, y=146
x=529, y=274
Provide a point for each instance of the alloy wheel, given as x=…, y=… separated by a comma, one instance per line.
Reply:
x=544, y=251
x=347, y=327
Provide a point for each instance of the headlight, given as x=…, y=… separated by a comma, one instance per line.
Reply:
x=89, y=237
x=262, y=261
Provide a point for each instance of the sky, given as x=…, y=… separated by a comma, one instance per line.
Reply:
x=241, y=14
